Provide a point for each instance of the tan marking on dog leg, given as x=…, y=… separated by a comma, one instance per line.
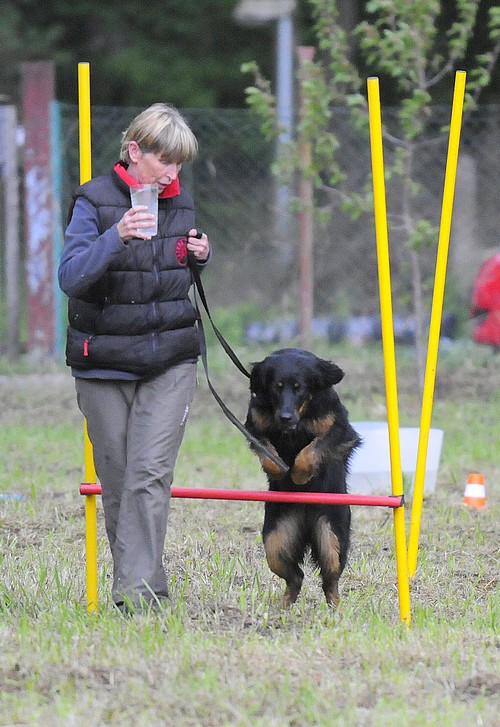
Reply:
x=270, y=468
x=320, y=427
x=329, y=560
x=305, y=465
x=278, y=544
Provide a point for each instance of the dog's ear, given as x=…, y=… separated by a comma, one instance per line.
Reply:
x=257, y=377
x=326, y=374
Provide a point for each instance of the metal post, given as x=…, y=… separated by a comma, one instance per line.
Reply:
x=284, y=110
x=306, y=228
x=8, y=158
x=255, y=13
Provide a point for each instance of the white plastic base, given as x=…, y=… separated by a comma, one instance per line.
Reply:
x=370, y=468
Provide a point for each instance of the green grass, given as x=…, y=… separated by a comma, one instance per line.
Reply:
x=222, y=652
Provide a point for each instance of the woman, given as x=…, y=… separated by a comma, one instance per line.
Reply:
x=132, y=342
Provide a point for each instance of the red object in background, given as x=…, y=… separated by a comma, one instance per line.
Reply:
x=486, y=302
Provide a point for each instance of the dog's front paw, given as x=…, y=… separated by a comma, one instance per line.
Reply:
x=305, y=465
x=301, y=476
x=270, y=468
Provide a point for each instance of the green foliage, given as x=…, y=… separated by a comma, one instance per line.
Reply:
x=261, y=100
x=423, y=235
x=403, y=42
x=399, y=40
x=413, y=113
x=400, y=35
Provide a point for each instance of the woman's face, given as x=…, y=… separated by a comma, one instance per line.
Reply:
x=148, y=168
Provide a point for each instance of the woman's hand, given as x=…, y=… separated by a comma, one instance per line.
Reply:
x=128, y=226
x=200, y=247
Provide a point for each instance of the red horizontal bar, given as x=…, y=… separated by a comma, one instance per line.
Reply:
x=318, y=498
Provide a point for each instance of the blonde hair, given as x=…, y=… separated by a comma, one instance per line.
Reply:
x=162, y=130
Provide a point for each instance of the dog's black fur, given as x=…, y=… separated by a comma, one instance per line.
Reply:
x=295, y=411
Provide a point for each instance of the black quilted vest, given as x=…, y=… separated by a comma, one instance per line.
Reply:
x=138, y=317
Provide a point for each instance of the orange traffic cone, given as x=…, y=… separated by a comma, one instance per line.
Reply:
x=475, y=492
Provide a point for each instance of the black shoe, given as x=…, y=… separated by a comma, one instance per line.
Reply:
x=156, y=604
x=126, y=609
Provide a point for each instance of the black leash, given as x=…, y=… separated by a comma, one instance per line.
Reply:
x=193, y=265
x=199, y=287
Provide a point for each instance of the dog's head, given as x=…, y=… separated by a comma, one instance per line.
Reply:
x=286, y=381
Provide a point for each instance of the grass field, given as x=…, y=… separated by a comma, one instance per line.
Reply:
x=222, y=652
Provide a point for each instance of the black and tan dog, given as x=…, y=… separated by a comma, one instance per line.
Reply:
x=295, y=411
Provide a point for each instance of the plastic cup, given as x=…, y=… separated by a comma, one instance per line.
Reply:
x=146, y=194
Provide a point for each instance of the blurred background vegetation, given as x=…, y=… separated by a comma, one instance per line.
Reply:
x=187, y=51
x=191, y=54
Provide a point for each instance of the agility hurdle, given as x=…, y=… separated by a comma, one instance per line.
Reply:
x=91, y=488
x=312, y=498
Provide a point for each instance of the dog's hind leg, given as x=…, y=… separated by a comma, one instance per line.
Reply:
x=326, y=552
x=283, y=553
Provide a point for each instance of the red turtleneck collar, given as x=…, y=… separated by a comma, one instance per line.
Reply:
x=171, y=190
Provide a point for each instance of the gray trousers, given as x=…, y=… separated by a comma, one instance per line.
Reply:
x=136, y=429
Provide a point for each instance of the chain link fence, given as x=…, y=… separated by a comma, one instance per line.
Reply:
x=255, y=268
x=237, y=202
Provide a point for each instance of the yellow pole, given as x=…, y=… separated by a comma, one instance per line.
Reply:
x=84, y=122
x=388, y=341
x=90, y=526
x=436, y=316
x=90, y=473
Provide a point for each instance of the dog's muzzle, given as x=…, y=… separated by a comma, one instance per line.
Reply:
x=288, y=420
